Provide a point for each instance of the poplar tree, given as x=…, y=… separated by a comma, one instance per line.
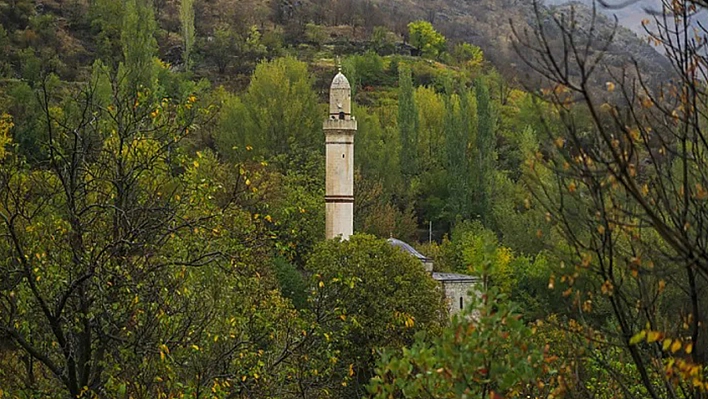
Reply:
x=186, y=14
x=407, y=124
x=484, y=153
x=139, y=44
x=456, y=142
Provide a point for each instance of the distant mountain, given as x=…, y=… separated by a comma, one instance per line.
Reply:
x=630, y=15
x=488, y=24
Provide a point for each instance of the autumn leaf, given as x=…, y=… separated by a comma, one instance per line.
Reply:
x=638, y=337
x=653, y=336
x=675, y=346
x=666, y=344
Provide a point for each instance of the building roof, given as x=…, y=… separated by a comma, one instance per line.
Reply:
x=407, y=248
x=453, y=277
x=340, y=82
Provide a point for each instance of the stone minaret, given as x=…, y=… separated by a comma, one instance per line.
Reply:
x=339, y=129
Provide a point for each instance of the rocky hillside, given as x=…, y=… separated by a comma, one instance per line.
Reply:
x=75, y=31
x=488, y=24
x=630, y=15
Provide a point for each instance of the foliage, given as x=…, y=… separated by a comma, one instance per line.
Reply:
x=468, y=55
x=383, y=294
x=408, y=122
x=5, y=139
x=426, y=39
x=315, y=34
x=139, y=45
x=623, y=185
x=292, y=284
x=186, y=13
x=383, y=40
x=278, y=115
x=486, y=351
x=484, y=158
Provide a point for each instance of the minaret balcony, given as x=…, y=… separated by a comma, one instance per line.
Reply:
x=339, y=124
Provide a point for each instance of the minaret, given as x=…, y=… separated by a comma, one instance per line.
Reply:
x=339, y=129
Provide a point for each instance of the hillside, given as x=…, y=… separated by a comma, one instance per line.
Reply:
x=488, y=24
x=75, y=32
x=630, y=15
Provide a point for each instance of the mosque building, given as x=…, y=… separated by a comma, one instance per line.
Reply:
x=340, y=128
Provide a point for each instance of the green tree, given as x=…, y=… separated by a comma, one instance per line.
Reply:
x=408, y=123
x=223, y=47
x=382, y=294
x=278, y=118
x=486, y=352
x=139, y=45
x=458, y=136
x=426, y=39
x=468, y=55
x=383, y=40
x=186, y=16
x=484, y=156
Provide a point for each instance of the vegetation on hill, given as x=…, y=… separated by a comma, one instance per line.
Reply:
x=162, y=213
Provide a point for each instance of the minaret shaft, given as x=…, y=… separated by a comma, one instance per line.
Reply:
x=339, y=189
x=339, y=129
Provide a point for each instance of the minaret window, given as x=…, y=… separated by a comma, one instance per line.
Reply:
x=341, y=115
x=461, y=303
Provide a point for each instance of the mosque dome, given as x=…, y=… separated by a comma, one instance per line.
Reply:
x=340, y=82
x=405, y=247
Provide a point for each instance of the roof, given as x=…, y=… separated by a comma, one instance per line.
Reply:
x=340, y=82
x=407, y=248
x=453, y=277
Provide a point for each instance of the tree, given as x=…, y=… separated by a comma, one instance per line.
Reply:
x=457, y=141
x=222, y=48
x=139, y=44
x=486, y=352
x=407, y=124
x=277, y=118
x=382, y=294
x=426, y=39
x=468, y=55
x=484, y=157
x=186, y=16
x=626, y=194
x=111, y=243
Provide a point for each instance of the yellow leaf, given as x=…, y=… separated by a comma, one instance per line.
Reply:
x=653, y=336
x=638, y=337
x=675, y=346
x=689, y=348
x=610, y=86
x=666, y=344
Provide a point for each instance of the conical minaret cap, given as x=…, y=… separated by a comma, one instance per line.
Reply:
x=340, y=82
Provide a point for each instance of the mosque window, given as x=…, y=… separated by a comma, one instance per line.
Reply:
x=461, y=303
